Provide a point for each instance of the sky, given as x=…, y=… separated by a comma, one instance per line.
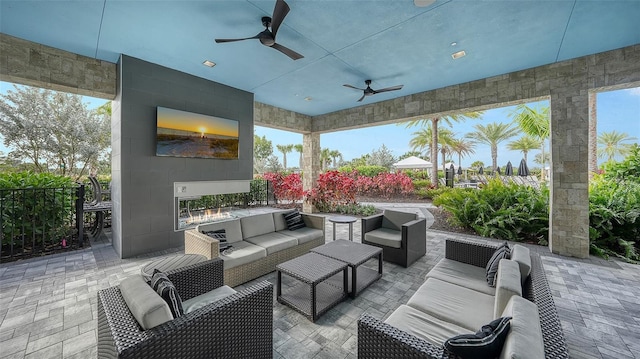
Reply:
x=617, y=110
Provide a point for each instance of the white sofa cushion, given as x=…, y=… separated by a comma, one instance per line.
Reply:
x=207, y=298
x=458, y=305
x=466, y=275
x=256, y=225
x=273, y=242
x=524, y=340
x=385, y=237
x=231, y=227
x=145, y=304
x=243, y=253
x=303, y=235
x=423, y=325
x=521, y=255
x=508, y=285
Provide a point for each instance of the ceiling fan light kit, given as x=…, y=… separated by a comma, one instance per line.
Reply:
x=268, y=37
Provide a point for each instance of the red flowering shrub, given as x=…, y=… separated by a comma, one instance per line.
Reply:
x=333, y=189
x=390, y=184
x=287, y=188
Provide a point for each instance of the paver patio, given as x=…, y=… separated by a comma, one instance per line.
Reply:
x=48, y=306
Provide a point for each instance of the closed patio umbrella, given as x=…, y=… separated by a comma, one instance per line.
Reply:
x=523, y=169
x=459, y=170
x=498, y=170
x=480, y=170
x=509, y=169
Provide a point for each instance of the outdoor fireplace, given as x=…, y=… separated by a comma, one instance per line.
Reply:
x=197, y=202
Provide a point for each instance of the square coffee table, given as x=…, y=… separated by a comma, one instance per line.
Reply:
x=354, y=254
x=314, y=295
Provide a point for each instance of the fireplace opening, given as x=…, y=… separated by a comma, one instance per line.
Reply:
x=196, y=210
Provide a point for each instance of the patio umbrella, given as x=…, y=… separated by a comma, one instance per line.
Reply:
x=509, y=169
x=498, y=171
x=480, y=170
x=459, y=170
x=523, y=169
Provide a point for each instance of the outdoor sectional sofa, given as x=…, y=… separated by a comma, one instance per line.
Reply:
x=260, y=242
x=456, y=299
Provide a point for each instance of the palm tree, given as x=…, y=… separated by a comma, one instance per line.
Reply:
x=298, y=148
x=284, y=149
x=423, y=139
x=325, y=158
x=462, y=148
x=445, y=138
x=335, y=154
x=611, y=144
x=534, y=123
x=524, y=144
x=434, y=135
x=492, y=134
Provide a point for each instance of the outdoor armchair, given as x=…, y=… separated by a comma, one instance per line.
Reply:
x=237, y=326
x=402, y=236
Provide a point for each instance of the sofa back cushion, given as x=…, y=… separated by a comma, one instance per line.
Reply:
x=525, y=336
x=144, y=303
x=521, y=255
x=256, y=225
x=278, y=220
x=231, y=227
x=507, y=285
x=394, y=220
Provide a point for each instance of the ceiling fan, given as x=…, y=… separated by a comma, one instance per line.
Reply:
x=268, y=37
x=369, y=91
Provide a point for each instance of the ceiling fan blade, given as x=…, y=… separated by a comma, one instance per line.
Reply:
x=287, y=51
x=219, y=41
x=394, y=88
x=362, y=98
x=279, y=12
x=352, y=87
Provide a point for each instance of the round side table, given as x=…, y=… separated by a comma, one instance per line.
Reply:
x=342, y=219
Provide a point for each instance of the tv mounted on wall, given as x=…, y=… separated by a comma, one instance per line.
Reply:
x=186, y=134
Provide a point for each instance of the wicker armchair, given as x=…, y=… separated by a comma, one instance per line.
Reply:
x=377, y=339
x=408, y=233
x=238, y=326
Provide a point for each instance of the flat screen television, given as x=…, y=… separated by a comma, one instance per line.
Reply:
x=186, y=134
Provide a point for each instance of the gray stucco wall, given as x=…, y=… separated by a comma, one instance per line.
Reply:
x=142, y=182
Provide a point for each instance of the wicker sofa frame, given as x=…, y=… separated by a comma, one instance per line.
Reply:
x=199, y=243
x=377, y=339
x=238, y=326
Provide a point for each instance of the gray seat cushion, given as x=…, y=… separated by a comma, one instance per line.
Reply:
x=243, y=253
x=520, y=254
x=303, y=235
x=385, y=237
x=525, y=336
x=232, y=229
x=273, y=242
x=423, y=325
x=462, y=274
x=145, y=304
x=508, y=284
x=257, y=225
x=394, y=220
x=452, y=303
x=207, y=298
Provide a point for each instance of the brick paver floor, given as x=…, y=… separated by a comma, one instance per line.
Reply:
x=48, y=305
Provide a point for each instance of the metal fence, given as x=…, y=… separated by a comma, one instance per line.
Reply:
x=38, y=221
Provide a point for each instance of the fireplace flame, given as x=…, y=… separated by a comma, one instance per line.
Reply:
x=209, y=215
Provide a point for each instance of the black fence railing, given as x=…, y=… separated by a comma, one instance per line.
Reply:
x=38, y=221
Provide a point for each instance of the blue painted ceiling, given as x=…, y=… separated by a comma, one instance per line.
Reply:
x=392, y=42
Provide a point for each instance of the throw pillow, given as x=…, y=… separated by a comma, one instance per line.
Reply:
x=501, y=252
x=221, y=236
x=165, y=288
x=293, y=219
x=485, y=343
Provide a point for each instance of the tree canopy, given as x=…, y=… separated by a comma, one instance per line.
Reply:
x=54, y=131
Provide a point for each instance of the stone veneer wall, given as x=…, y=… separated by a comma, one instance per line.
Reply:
x=142, y=182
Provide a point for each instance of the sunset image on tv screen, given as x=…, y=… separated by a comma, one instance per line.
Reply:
x=185, y=134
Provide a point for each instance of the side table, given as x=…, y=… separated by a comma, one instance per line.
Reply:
x=342, y=219
x=314, y=295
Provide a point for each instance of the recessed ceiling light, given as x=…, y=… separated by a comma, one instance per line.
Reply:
x=209, y=63
x=308, y=98
x=454, y=43
x=459, y=54
x=423, y=3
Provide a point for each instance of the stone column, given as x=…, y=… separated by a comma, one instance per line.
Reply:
x=311, y=165
x=569, y=205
